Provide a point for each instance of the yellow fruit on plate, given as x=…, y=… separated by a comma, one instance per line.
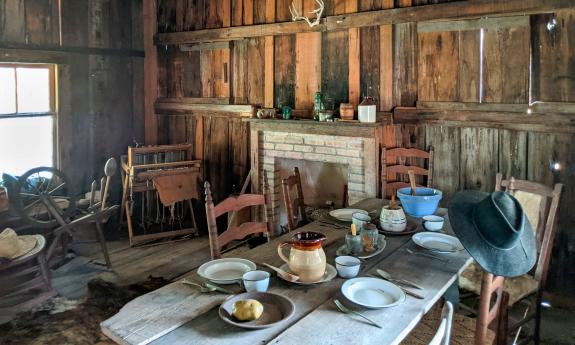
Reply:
x=247, y=310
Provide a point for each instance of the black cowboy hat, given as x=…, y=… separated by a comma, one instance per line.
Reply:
x=495, y=231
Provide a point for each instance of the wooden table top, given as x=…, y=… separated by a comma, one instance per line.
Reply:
x=178, y=314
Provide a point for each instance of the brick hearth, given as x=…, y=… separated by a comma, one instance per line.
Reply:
x=276, y=140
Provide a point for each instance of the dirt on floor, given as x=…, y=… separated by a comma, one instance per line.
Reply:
x=63, y=322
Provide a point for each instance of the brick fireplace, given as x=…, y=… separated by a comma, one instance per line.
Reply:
x=354, y=145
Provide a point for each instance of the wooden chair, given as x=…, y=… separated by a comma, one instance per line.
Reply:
x=394, y=168
x=295, y=207
x=540, y=203
x=236, y=232
x=489, y=328
x=443, y=334
x=25, y=281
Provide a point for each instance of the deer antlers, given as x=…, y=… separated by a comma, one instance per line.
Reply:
x=318, y=12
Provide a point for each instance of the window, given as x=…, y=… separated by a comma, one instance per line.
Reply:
x=27, y=117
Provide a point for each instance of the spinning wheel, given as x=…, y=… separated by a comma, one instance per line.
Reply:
x=44, y=197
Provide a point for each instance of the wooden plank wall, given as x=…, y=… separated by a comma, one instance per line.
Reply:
x=399, y=66
x=99, y=112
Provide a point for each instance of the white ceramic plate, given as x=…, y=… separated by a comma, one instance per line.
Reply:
x=344, y=214
x=330, y=273
x=225, y=271
x=372, y=293
x=381, y=243
x=437, y=242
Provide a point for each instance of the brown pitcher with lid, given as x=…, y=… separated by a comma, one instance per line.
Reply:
x=306, y=258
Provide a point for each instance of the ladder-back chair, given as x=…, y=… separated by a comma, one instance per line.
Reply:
x=489, y=328
x=295, y=206
x=395, y=163
x=541, y=204
x=236, y=232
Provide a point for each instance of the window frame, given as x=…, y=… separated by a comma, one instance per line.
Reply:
x=52, y=89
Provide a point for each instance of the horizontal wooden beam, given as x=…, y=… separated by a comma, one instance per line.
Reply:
x=52, y=48
x=205, y=46
x=444, y=11
x=34, y=56
x=171, y=106
x=533, y=108
x=548, y=123
x=474, y=24
x=197, y=100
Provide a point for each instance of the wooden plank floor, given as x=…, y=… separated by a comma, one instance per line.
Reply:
x=130, y=265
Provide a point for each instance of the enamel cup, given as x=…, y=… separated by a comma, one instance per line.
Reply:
x=256, y=281
x=433, y=223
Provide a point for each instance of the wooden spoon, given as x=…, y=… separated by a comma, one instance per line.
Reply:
x=412, y=182
x=109, y=170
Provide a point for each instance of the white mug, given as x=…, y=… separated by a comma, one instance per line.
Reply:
x=256, y=281
x=359, y=219
x=433, y=223
x=347, y=266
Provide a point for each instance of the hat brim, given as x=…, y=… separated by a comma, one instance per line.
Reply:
x=27, y=244
x=511, y=262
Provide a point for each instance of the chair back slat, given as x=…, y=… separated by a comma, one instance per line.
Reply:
x=295, y=206
x=395, y=164
x=407, y=152
x=237, y=203
x=242, y=231
x=234, y=204
x=541, y=204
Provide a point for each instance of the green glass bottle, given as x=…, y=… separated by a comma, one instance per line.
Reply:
x=317, y=105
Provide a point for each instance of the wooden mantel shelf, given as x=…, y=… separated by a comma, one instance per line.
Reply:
x=445, y=11
x=349, y=129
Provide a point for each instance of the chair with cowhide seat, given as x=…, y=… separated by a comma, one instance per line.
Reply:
x=395, y=164
x=540, y=203
x=236, y=231
x=489, y=328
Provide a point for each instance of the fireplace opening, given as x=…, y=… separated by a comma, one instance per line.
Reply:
x=323, y=183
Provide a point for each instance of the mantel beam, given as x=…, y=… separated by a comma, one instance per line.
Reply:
x=444, y=11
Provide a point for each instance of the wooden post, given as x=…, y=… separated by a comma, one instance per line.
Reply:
x=268, y=206
x=150, y=72
x=212, y=225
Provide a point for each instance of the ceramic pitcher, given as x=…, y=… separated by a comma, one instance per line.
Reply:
x=306, y=257
x=392, y=219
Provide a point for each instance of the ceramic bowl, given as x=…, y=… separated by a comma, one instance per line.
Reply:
x=347, y=266
x=433, y=223
x=277, y=308
x=424, y=203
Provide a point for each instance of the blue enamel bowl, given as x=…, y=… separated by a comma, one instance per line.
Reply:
x=424, y=203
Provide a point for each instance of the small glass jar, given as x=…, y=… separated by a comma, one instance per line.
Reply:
x=353, y=244
x=369, y=236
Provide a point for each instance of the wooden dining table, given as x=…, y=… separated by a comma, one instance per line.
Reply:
x=178, y=314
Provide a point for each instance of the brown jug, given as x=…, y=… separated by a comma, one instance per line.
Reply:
x=306, y=258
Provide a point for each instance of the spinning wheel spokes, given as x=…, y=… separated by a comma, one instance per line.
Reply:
x=44, y=197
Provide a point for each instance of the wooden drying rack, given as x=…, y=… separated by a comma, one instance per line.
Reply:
x=137, y=172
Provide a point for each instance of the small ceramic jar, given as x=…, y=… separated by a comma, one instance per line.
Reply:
x=392, y=219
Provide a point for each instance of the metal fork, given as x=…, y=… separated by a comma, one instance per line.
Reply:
x=346, y=310
x=427, y=255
